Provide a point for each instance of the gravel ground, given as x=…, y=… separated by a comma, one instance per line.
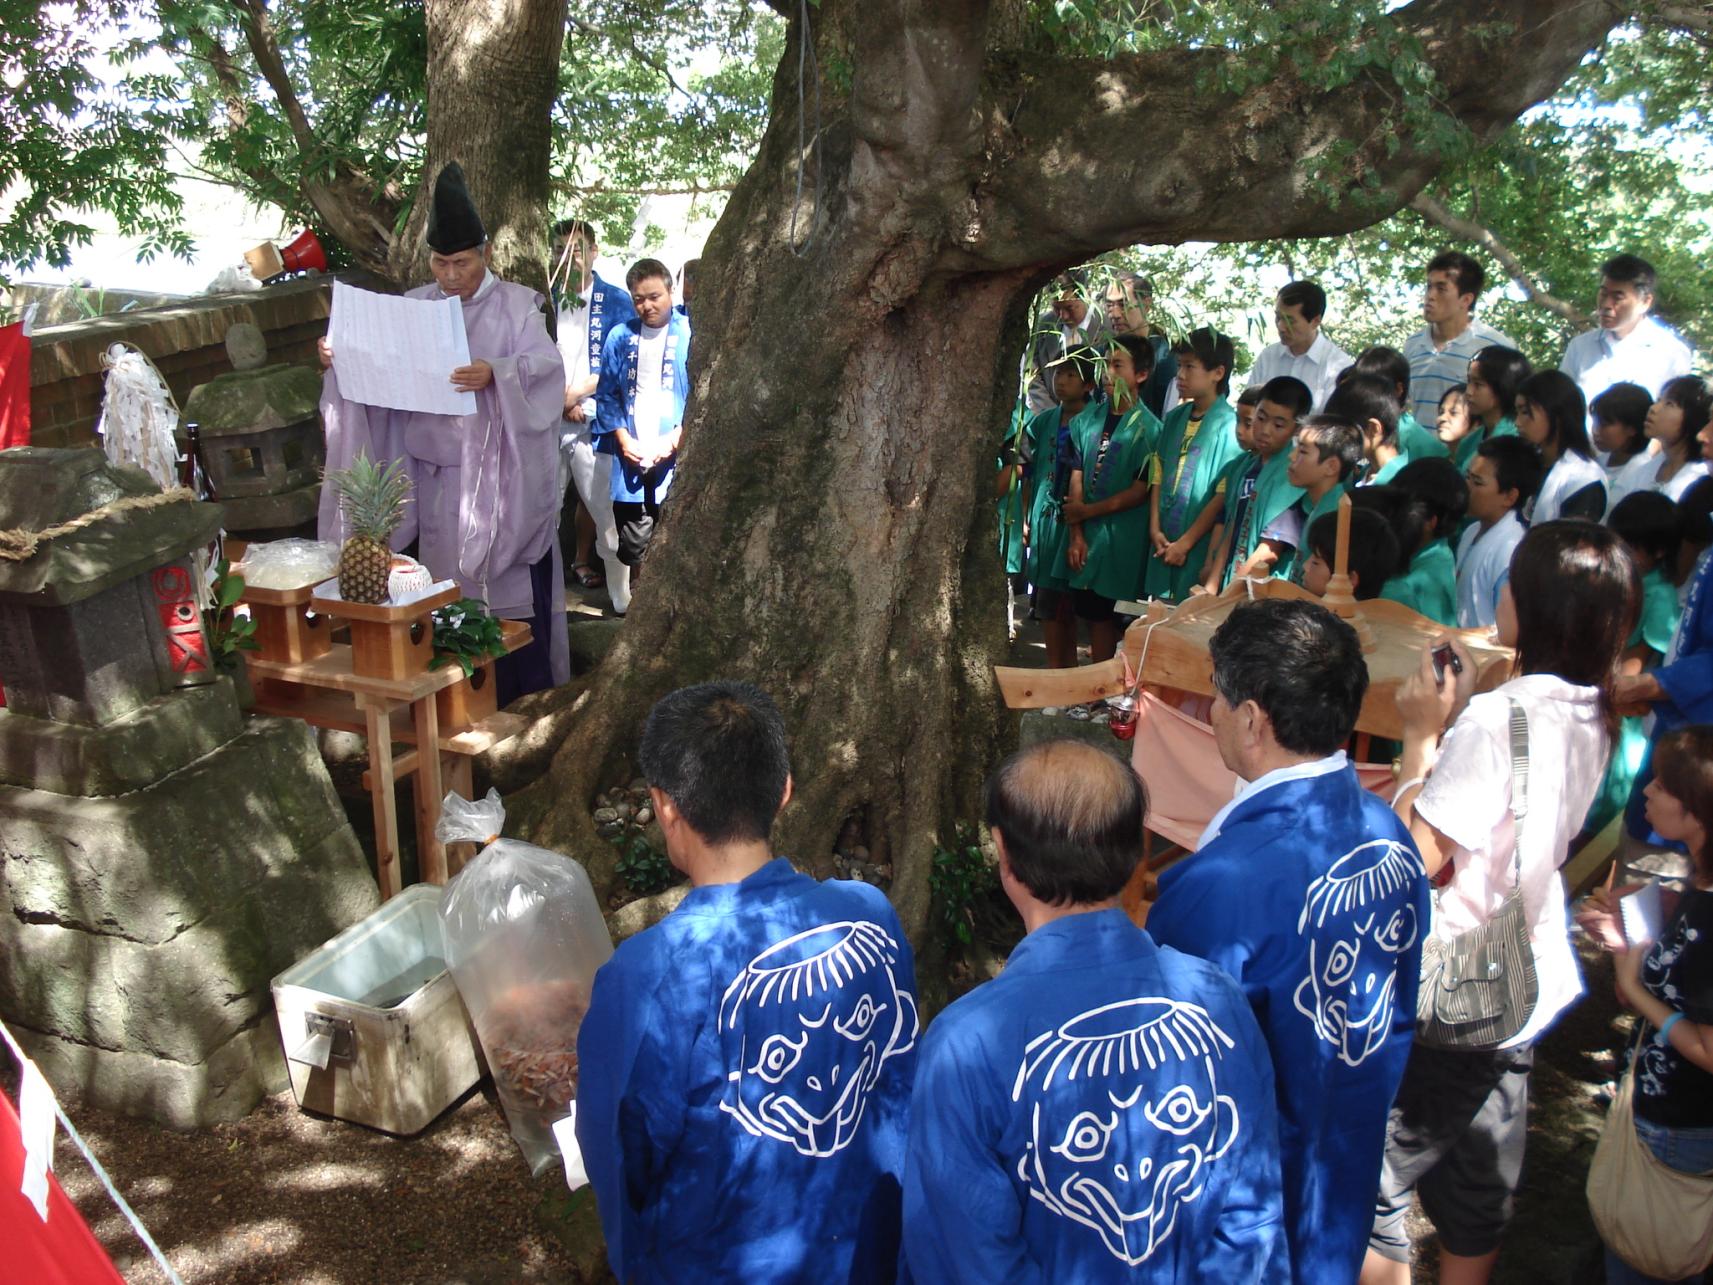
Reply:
x=283, y=1196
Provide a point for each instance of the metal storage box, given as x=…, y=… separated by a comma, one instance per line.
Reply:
x=373, y=1028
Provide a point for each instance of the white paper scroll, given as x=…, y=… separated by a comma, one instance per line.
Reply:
x=399, y=353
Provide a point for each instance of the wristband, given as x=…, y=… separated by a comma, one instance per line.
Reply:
x=1663, y=1039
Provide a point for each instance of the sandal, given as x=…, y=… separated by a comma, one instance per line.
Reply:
x=587, y=576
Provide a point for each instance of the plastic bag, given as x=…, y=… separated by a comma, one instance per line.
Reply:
x=289, y=564
x=523, y=938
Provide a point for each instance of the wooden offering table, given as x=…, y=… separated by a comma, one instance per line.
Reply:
x=379, y=685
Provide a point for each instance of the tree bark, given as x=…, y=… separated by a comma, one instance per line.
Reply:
x=830, y=536
x=493, y=68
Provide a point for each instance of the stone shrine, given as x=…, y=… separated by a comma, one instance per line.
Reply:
x=161, y=857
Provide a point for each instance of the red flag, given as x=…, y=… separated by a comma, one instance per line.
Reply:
x=14, y=386
x=61, y=1249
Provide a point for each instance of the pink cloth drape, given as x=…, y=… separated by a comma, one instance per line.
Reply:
x=1187, y=782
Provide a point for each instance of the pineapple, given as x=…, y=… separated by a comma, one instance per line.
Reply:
x=372, y=498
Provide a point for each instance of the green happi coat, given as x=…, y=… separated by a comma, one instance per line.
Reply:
x=1418, y=443
x=1050, y=474
x=1464, y=455
x=1429, y=586
x=1118, y=544
x=1292, y=568
x=1188, y=481
x=1273, y=495
x=1013, y=506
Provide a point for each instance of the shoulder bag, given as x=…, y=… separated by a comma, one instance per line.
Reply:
x=1657, y=1219
x=1479, y=989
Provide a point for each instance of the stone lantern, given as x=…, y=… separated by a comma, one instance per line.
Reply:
x=258, y=433
x=164, y=856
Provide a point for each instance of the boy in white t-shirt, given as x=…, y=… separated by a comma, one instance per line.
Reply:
x=1504, y=475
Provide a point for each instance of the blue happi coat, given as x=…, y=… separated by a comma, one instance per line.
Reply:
x=1313, y=896
x=1101, y=1111
x=745, y=1081
x=615, y=404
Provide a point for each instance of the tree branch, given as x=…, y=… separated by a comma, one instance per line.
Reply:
x=1152, y=149
x=1434, y=212
x=353, y=208
x=265, y=48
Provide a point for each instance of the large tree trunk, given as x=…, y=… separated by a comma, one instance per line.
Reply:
x=493, y=68
x=830, y=535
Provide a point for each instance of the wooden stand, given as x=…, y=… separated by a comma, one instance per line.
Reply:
x=327, y=691
x=468, y=701
x=387, y=641
x=286, y=629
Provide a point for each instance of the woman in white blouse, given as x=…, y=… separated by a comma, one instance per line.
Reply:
x=1552, y=415
x=1457, y=1128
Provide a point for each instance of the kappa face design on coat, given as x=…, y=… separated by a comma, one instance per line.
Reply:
x=1359, y=927
x=1126, y=1118
x=807, y=1027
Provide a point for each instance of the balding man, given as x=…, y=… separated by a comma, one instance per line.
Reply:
x=1103, y=1110
x=1310, y=892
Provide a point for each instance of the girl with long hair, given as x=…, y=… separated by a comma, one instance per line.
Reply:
x=1458, y=1124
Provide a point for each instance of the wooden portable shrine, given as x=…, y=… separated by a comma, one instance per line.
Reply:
x=1169, y=647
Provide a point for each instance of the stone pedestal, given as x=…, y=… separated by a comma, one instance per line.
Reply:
x=163, y=858
x=139, y=932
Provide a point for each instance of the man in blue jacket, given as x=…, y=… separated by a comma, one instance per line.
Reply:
x=1103, y=1110
x=1310, y=892
x=746, y=1063
x=639, y=408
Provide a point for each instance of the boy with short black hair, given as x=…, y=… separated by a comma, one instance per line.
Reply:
x=1415, y=441
x=746, y=1063
x=1197, y=442
x=1368, y=401
x=1428, y=584
x=1504, y=475
x=1373, y=554
x=1263, y=541
x=1322, y=462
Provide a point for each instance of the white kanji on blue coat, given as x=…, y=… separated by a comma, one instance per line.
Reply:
x=807, y=1026
x=1358, y=928
x=1126, y=1117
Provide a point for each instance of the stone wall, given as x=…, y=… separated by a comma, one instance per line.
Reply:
x=186, y=341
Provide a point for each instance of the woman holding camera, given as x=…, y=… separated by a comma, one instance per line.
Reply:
x=1494, y=805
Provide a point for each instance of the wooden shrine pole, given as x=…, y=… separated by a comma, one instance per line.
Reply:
x=1339, y=597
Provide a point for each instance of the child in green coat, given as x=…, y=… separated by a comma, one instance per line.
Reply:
x=1437, y=499
x=1266, y=535
x=1197, y=442
x=1495, y=375
x=1106, y=513
x=1053, y=454
x=1323, y=462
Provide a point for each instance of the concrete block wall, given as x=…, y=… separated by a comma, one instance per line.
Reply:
x=186, y=341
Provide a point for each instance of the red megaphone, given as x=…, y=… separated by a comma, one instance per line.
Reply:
x=304, y=254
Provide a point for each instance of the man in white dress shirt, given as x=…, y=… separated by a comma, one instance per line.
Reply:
x=1630, y=345
x=1439, y=354
x=1302, y=352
